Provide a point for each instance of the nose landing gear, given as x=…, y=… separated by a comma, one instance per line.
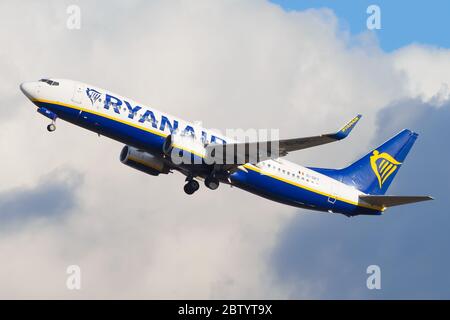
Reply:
x=51, y=115
x=51, y=127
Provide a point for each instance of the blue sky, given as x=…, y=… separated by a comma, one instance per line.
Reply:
x=402, y=22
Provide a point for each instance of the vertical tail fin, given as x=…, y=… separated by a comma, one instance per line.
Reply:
x=373, y=173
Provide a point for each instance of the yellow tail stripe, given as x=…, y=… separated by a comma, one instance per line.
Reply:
x=383, y=165
x=389, y=173
x=383, y=172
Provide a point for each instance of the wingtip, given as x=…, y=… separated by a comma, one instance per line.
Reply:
x=345, y=130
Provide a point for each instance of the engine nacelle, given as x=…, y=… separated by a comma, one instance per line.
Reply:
x=143, y=161
x=184, y=148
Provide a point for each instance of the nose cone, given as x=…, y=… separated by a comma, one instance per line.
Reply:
x=29, y=89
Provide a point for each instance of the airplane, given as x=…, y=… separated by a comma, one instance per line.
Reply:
x=152, y=138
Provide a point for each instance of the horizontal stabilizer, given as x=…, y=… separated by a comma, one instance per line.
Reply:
x=390, y=201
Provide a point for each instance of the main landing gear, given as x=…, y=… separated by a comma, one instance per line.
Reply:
x=212, y=182
x=191, y=186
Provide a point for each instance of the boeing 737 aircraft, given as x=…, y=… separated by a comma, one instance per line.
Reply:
x=152, y=138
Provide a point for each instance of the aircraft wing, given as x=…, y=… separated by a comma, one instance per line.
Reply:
x=254, y=152
x=390, y=201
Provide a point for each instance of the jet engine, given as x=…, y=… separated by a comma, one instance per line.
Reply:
x=143, y=161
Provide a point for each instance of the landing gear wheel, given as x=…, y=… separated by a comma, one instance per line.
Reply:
x=191, y=187
x=194, y=185
x=212, y=183
x=51, y=127
x=188, y=189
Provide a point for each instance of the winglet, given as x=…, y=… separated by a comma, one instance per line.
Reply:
x=345, y=130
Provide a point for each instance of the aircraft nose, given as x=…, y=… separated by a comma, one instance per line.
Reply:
x=29, y=89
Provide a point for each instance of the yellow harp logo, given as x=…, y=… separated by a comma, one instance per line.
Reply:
x=383, y=165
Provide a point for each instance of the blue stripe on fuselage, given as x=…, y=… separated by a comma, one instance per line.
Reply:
x=252, y=181
x=280, y=191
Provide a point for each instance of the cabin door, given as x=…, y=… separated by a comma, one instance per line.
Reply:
x=77, y=93
x=333, y=194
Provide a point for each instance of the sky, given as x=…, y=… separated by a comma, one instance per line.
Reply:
x=403, y=22
x=65, y=199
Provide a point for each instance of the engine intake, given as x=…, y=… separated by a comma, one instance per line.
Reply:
x=143, y=161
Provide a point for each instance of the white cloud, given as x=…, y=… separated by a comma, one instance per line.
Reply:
x=228, y=63
x=427, y=72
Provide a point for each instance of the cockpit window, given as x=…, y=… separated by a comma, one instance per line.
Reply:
x=50, y=82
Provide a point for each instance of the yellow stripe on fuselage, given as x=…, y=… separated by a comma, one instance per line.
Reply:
x=256, y=169
x=247, y=166
x=176, y=146
x=159, y=133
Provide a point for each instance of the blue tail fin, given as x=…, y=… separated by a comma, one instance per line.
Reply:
x=373, y=173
